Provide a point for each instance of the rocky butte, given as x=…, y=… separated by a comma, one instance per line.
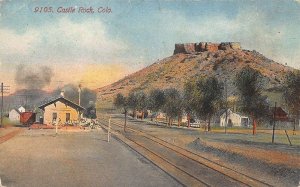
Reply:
x=189, y=48
x=190, y=60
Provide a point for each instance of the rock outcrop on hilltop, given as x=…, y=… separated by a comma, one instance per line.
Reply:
x=222, y=60
x=189, y=48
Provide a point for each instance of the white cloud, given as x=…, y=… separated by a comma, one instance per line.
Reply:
x=13, y=43
x=88, y=38
x=61, y=41
x=66, y=46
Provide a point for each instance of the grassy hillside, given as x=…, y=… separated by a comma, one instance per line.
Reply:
x=175, y=70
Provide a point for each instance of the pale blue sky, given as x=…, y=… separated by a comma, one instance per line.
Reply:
x=137, y=33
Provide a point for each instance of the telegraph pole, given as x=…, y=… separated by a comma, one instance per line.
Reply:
x=1, y=104
x=108, y=130
x=226, y=105
x=4, y=89
x=274, y=118
x=79, y=93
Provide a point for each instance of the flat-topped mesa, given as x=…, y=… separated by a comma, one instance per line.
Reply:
x=189, y=48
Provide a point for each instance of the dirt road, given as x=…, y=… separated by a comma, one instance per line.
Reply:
x=39, y=158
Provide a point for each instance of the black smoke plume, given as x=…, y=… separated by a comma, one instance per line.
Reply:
x=87, y=97
x=33, y=78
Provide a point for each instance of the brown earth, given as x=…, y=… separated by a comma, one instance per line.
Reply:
x=41, y=126
x=274, y=157
x=61, y=128
x=8, y=133
x=174, y=71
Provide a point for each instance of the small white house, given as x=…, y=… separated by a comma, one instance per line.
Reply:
x=21, y=109
x=14, y=115
x=184, y=119
x=234, y=119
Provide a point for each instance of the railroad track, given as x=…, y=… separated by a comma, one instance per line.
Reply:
x=189, y=173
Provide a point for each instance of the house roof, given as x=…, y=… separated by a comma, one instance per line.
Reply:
x=15, y=109
x=63, y=100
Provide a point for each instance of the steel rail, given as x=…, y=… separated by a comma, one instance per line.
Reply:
x=215, y=163
x=164, y=159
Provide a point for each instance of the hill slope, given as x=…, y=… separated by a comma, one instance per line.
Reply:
x=175, y=70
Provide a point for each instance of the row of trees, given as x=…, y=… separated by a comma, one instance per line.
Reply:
x=204, y=96
x=291, y=94
x=200, y=97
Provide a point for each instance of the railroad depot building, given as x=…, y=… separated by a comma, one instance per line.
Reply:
x=61, y=109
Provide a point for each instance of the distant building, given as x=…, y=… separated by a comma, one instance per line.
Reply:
x=161, y=116
x=280, y=114
x=61, y=109
x=184, y=118
x=234, y=119
x=281, y=117
x=15, y=113
x=21, y=109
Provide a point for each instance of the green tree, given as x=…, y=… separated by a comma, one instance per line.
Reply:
x=173, y=104
x=132, y=102
x=249, y=85
x=141, y=99
x=156, y=100
x=121, y=102
x=137, y=101
x=208, y=97
x=188, y=99
x=291, y=94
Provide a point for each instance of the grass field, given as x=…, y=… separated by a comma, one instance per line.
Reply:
x=240, y=134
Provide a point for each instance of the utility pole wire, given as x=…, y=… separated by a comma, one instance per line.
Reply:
x=1, y=104
x=274, y=123
x=226, y=107
x=79, y=93
x=24, y=96
x=108, y=130
x=4, y=89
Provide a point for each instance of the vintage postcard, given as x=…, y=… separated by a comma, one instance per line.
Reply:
x=149, y=93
